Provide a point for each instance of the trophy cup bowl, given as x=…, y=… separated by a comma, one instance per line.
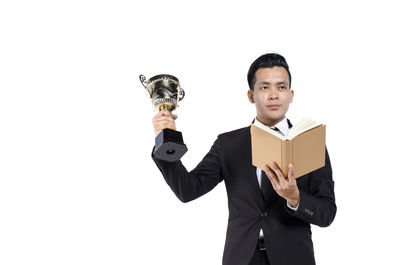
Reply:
x=165, y=93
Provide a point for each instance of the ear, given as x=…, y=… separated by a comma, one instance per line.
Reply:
x=291, y=95
x=250, y=95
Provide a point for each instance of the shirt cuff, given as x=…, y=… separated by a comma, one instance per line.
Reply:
x=292, y=208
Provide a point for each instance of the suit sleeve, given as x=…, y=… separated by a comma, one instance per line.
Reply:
x=317, y=206
x=204, y=177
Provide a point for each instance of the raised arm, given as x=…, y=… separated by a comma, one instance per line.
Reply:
x=186, y=185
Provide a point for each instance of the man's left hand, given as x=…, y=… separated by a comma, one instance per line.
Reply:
x=285, y=187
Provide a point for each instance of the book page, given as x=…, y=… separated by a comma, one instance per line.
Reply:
x=303, y=125
x=269, y=130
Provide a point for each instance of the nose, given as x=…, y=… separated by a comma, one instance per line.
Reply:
x=273, y=94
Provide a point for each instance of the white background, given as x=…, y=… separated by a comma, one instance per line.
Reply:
x=77, y=184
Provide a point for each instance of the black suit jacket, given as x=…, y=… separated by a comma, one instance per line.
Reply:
x=287, y=233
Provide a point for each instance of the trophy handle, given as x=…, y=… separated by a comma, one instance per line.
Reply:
x=181, y=94
x=142, y=79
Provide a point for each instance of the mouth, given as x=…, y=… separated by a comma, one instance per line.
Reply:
x=274, y=106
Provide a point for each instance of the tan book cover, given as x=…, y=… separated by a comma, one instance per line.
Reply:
x=304, y=149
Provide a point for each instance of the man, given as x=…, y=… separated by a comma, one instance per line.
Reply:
x=269, y=214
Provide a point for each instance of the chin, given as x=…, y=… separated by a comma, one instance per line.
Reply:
x=273, y=119
x=276, y=117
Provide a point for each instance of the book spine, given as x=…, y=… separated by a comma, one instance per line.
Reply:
x=287, y=156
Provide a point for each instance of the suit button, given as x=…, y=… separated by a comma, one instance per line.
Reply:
x=264, y=214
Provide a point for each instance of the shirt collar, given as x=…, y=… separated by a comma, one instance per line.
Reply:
x=283, y=125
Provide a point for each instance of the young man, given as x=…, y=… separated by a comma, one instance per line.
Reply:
x=269, y=214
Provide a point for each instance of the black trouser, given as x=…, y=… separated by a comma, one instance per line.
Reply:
x=260, y=255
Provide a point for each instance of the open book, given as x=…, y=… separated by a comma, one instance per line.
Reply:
x=304, y=147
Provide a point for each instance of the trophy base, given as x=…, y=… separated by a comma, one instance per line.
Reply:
x=169, y=146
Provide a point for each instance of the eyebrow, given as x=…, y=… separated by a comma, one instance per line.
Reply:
x=268, y=83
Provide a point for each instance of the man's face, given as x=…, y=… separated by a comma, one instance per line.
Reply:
x=271, y=94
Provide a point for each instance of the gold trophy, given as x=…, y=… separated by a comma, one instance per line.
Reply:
x=165, y=93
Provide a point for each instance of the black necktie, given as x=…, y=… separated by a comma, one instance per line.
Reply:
x=265, y=183
x=276, y=129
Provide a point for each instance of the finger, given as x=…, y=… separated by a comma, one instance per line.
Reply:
x=165, y=118
x=268, y=176
x=157, y=116
x=164, y=124
x=291, y=178
x=165, y=113
x=278, y=173
x=273, y=183
x=272, y=177
x=162, y=114
x=162, y=120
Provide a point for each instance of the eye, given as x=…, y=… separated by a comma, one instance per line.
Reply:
x=264, y=88
x=282, y=87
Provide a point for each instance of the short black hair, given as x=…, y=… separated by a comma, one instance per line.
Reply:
x=268, y=60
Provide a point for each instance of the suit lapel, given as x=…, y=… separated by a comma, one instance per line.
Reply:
x=251, y=171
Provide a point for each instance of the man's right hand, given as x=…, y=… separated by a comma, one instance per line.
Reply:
x=162, y=120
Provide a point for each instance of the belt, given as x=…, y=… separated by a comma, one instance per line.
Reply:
x=260, y=244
